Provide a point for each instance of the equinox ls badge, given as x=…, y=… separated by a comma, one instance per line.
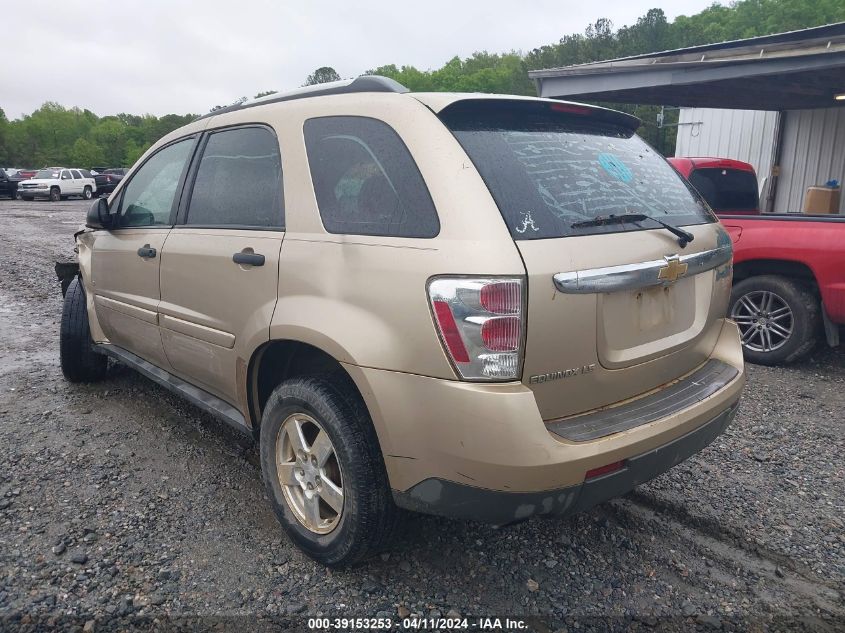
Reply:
x=673, y=269
x=565, y=373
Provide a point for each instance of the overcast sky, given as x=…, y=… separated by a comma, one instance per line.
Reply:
x=162, y=56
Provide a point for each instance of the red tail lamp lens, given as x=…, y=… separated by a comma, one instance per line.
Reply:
x=501, y=298
x=604, y=470
x=501, y=334
x=449, y=330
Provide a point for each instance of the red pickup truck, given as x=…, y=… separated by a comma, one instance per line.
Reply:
x=789, y=283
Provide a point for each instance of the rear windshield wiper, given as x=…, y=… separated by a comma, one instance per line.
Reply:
x=684, y=237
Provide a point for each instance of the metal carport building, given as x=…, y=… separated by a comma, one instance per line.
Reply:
x=775, y=101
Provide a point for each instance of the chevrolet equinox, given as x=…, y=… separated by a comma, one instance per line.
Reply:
x=479, y=306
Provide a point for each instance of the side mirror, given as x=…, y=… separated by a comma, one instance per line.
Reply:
x=98, y=215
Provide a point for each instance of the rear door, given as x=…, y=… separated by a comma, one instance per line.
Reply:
x=78, y=182
x=220, y=265
x=615, y=308
x=126, y=259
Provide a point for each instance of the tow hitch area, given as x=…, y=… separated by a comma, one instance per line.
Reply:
x=66, y=271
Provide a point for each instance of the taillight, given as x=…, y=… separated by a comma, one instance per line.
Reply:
x=481, y=322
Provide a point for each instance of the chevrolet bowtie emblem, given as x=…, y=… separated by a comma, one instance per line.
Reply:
x=673, y=269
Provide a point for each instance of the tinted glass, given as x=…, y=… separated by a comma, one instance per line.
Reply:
x=148, y=198
x=548, y=170
x=366, y=181
x=66, y=175
x=76, y=174
x=239, y=180
x=47, y=174
x=727, y=189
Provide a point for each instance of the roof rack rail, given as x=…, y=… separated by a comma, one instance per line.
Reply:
x=364, y=83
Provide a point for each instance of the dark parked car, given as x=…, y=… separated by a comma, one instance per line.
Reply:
x=107, y=179
x=8, y=184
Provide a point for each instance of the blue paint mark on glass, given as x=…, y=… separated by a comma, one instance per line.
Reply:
x=614, y=166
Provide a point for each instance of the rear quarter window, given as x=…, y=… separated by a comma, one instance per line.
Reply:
x=548, y=170
x=365, y=180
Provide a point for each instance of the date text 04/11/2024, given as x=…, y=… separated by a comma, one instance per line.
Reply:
x=419, y=623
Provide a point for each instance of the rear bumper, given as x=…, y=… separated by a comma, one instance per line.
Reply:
x=436, y=496
x=491, y=438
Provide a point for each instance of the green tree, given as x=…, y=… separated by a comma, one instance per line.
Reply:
x=86, y=154
x=322, y=75
x=134, y=151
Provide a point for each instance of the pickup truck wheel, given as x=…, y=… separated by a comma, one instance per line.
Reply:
x=87, y=193
x=323, y=471
x=55, y=194
x=79, y=361
x=778, y=319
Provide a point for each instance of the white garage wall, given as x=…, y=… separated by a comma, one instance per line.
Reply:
x=746, y=135
x=813, y=152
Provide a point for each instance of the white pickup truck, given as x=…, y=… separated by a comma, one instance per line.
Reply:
x=58, y=183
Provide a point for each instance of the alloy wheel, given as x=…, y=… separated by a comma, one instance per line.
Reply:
x=765, y=320
x=309, y=473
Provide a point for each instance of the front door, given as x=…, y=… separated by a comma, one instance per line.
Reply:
x=220, y=264
x=67, y=187
x=127, y=259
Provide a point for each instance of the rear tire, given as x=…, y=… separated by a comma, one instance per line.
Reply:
x=778, y=318
x=55, y=194
x=368, y=517
x=87, y=194
x=79, y=361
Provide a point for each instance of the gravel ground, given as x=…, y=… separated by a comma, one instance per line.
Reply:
x=122, y=507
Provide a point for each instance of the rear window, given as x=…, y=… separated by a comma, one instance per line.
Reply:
x=548, y=170
x=727, y=189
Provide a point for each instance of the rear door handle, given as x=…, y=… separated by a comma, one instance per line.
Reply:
x=251, y=259
x=146, y=251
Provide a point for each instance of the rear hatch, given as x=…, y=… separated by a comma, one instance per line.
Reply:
x=616, y=307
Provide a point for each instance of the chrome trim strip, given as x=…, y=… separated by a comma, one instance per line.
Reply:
x=639, y=275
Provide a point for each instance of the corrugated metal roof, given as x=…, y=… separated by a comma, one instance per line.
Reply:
x=796, y=70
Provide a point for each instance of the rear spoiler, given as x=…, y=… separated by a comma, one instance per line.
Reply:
x=516, y=105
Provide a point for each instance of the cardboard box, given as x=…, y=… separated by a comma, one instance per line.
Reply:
x=822, y=200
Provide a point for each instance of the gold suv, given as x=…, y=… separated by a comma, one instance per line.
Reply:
x=479, y=306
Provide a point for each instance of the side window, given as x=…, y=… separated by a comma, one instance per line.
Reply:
x=239, y=181
x=66, y=175
x=148, y=198
x=366, y=181
x=76, y=174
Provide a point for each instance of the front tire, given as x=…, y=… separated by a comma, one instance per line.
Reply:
x=778, y=319
x=323, y=470
x=79, y=361
x=87, y=194
x=55, y=194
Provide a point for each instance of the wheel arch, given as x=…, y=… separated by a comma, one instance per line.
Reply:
x=282, y=359
x=781, y=267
